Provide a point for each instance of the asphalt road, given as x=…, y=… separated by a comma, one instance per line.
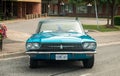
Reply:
x=107, y=64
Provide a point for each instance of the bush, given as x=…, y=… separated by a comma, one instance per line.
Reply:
x=1, y=43
x=117, y=20
x=0, y=36
x=0, y=18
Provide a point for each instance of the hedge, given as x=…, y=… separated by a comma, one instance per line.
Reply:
x=117, y=20
x=0, y=37
x=0, y=18
x=1, y=42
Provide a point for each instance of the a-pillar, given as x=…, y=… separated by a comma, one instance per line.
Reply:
x=20, y=10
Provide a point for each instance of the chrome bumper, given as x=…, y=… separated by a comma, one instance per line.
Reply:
x=87, y=52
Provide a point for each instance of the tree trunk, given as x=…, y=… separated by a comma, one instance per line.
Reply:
x=108, y=14
x=113, y=10
x=4, y=9
x=108, y=21
x=11, y=9
x=112, y=17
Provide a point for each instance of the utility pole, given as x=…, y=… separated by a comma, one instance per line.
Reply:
x=11, y=9
x=96, y=13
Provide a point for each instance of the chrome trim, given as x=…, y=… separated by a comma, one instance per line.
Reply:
x=87, y=52
x=61, y=46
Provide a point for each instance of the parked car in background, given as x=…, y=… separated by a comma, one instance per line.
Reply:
x=61, y=39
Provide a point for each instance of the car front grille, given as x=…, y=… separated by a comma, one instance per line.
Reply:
x=61, y=47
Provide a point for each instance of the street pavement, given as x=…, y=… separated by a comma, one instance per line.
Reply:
x=20, y=30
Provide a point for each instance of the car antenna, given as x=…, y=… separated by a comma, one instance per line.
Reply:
x=76, y=18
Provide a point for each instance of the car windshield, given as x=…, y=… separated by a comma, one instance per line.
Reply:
x=59, y=26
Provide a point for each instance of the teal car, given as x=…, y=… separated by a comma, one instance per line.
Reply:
x=61, y=40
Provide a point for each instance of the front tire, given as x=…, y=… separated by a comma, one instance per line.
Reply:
x=89, y=63
x=33, y=63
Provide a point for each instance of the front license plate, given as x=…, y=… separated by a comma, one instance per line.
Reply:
x=61, y=57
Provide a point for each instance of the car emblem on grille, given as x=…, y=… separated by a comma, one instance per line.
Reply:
x=61, y=47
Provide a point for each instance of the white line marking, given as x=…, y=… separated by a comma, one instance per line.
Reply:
x=87, y=74
x=107, y=44
x=11, y=53
x=11, y=58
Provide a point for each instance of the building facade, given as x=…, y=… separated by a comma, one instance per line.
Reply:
x=63, y=7
x=21, y=8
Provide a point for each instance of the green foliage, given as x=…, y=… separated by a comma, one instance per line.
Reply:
x=111, y=8
x=110, y=1
x=0, y=36
x=80, y=2
x=102, y=28
x=117, y=20
x=0, y=19
x=75, y=1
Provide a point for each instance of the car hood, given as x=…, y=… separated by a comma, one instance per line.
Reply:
x=60, y=38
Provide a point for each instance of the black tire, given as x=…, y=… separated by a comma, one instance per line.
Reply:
x=89, y=63
x=33, y=63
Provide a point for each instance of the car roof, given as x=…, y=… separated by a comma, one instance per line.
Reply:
x=59, y=20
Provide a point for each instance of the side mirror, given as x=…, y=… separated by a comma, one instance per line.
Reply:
x=86, y=31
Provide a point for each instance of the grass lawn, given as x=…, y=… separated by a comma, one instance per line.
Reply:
x=101, y=28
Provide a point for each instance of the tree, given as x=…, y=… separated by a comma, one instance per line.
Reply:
x=79, y=2
x=112, y=7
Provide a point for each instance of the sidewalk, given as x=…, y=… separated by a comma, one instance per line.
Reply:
x=15, y=43
x=106, y=38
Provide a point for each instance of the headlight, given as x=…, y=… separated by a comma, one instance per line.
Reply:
x=32, y=46
x=89, y=45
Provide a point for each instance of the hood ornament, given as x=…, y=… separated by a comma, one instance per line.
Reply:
x=61, y=46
